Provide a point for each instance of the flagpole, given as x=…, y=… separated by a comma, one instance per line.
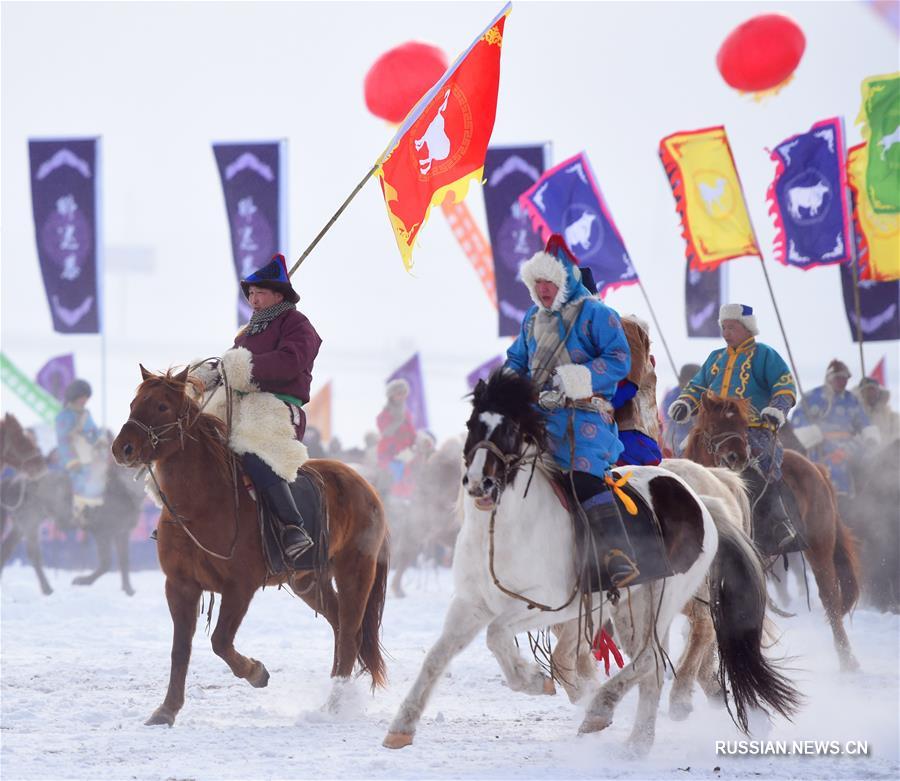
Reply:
x=333, y=219
x=659, y=330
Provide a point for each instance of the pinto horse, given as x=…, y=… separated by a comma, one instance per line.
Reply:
x=209, y=540
x=719, y=438
x=514, y=571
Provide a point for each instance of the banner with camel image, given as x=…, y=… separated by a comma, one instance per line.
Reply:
x=708, y=197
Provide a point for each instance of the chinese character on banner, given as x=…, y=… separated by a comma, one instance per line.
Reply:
x=64, y=187
x=253, y=186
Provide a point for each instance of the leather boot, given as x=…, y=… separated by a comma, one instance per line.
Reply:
x=616, y=554
x=294, y=537
x=771, y=515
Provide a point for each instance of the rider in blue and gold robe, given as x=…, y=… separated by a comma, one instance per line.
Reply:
x=747, y=369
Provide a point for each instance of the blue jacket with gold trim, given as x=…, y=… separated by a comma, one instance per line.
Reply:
x=751, y=370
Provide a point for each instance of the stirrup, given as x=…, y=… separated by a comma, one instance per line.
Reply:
x=296, y=549
x=620, y=580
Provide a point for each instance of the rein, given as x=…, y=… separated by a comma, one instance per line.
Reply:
x=22, y=482
x=512, y=461
x=154, y=435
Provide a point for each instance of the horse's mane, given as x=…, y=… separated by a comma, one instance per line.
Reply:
x=208, y=430
x=510, y=394
x=714, y=407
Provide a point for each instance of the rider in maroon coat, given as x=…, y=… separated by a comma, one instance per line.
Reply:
x=283, y=345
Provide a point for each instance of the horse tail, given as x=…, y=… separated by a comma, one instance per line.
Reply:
x=737, y=590
x=370, y=649
x=846, y=565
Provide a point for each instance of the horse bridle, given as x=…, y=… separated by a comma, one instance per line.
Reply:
x=714, y=442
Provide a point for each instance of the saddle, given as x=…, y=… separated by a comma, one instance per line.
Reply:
x=642, y=528
x=307, y=491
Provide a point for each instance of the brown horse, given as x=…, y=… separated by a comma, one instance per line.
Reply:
x=719, y=438
x=209, y=540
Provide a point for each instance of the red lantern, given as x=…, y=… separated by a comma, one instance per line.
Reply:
x=762, y=53
x=400, y=77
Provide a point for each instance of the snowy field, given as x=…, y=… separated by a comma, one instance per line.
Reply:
x=82, y=669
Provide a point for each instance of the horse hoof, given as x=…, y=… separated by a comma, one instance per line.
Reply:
x=128, y=591
x=47, y=591
x=259, y=678
x=549, y=687
x=397, y=740
x=81, y=580
x=161, y=715
x=850, y=664
x=594, y=724
x=679, y=711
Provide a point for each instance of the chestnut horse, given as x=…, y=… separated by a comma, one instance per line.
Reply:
x=719, y=438
x=209, y=540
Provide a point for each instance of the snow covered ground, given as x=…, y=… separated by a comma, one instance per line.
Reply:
x=82, y=669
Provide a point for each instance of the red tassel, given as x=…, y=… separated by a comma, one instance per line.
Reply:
x=602, y=646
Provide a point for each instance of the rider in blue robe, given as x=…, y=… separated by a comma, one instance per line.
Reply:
x=574, y=349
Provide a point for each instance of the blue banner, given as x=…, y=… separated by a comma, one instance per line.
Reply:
x=508, y=172
x=567, y=200
x=879, y=304
x=808, y=198
x=64, y=186
x=703, y=295
x=253, y=184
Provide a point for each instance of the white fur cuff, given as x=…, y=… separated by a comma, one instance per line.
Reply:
x=237, y=366
x=576, y=380
x=871, y=434
x=809, y=436
x=773, y=412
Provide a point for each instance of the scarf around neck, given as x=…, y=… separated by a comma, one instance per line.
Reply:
x=261, y=318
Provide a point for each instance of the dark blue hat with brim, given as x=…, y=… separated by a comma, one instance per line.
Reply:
x=272, y=276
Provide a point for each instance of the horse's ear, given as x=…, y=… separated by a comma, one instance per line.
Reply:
x=479, y=389
x=182, y=376
x=145, y=375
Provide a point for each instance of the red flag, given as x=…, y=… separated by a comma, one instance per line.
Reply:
x=878, y=373
x=441, y=145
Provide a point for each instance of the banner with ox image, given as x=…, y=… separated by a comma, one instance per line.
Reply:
x=64, y=199
x=567, y=200
x=508, y=172
x=808, y=197
x=253, y=183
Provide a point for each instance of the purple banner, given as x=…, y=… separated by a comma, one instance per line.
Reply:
x=484, y=371
x=702, y=299
x=509, y=171
x=567, y=200
x=64, y=202
x=411, y=371
x=55, y=375
x=253, y=182
x=808, y=198
x=879, y=304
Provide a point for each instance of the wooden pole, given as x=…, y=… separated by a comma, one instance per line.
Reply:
x=333, y=219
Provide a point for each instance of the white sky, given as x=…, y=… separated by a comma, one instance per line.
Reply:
x=160, y=81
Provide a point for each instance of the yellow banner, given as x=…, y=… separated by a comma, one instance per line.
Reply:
x=708, y=197
x=880, y=249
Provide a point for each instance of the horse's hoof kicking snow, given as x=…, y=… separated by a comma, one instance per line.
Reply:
x=594, y=724
x=161, y=715
x=259, y=678
x=549, y=687
x=397, y=740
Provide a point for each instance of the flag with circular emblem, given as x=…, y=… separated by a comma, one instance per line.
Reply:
x=441, y=145
x=708, y=197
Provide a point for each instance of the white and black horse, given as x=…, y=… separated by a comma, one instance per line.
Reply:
x=515, y=558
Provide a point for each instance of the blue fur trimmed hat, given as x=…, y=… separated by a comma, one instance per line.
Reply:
x=740, y=312
x=272, y=276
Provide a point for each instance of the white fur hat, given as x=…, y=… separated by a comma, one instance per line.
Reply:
x=395, y=385
x=740, y=312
